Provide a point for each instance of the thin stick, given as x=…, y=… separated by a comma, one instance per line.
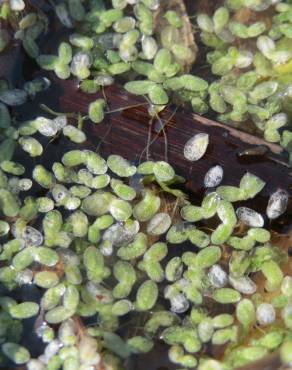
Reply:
x=165, y=124
x=174, y=209
x=165, y=139
x=58, y=114
x=102, y=140
x=104, y=96
x=125, y=108
x=149, y=138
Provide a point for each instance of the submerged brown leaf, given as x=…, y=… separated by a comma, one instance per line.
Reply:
x=184, y=35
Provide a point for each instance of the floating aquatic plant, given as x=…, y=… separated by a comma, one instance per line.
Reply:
x=95, y=259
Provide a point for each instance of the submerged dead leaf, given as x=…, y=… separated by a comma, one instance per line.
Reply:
x=248, y=16
x=243, y=15
x=185, y=34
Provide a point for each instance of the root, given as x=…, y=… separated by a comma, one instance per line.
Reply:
x=149, y=143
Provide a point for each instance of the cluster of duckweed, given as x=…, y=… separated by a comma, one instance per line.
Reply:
x=94, y=235
x=95, y=238
x=147, y=44
x=123, y=40
x=132, y=39
x=251, y=50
